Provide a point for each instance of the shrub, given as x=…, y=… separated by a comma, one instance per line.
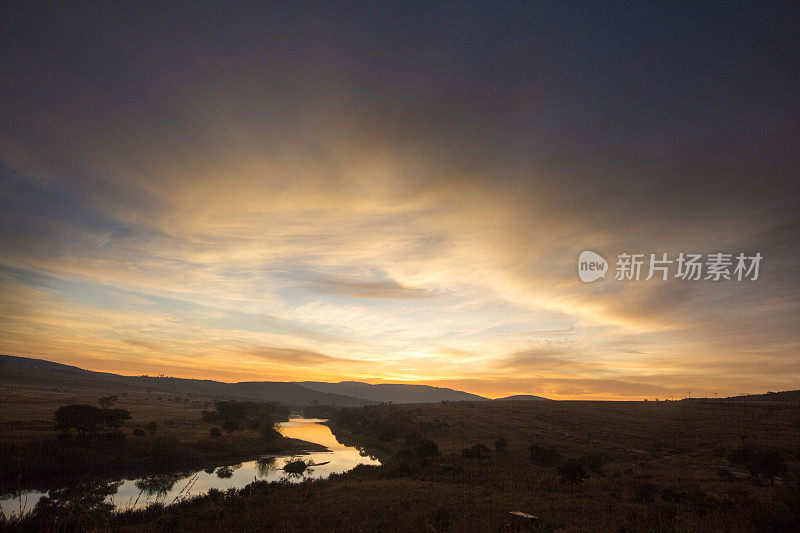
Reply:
x=593, y=462
x=544, y=456
x=426, y=448
x=138, y=432
x=759, y=461
x=571, y=472
x=230, y=426
x=501, y=445
x=480, y=451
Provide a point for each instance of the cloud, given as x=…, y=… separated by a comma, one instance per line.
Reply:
x=411, y=211
x=389, y=289
x=292, y=357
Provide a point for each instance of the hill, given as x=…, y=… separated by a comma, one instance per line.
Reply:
x=393, y=392
x=38, y=372
x=521, y=397
x=783, y=396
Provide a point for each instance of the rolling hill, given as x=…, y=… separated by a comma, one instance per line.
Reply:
x=47, y=374
x=782, y=396
x=391, y=392
x=521, y=397
x=38, y=372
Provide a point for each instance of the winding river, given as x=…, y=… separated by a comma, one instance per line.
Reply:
x=167, y=489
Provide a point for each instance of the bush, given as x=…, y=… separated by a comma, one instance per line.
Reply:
x=759, y=461
x=544, y=456
x=215, y=432
x=571, y=472
x=593, y=462
x=426, y=448
x=501, y=445
x=138, y=432
x=480, y=451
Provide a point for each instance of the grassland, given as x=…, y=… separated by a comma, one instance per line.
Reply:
x=650, y=466
x=35, y=457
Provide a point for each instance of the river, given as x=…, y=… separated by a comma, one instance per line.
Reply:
x=167, y=489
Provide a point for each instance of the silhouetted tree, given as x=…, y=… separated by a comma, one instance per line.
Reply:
x=500, y=445
x=88, y=418
x=152, y=427
x=106, y=402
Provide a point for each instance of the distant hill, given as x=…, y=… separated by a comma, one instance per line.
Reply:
x=38, y=372
x=519, y=397
x=783, y=396
x=392, y=392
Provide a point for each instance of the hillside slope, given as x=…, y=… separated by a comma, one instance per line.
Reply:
x=393, y=392
x=38, y=372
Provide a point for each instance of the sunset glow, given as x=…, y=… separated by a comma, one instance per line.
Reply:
x=302, y=200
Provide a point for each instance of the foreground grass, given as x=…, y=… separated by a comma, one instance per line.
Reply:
x=655, y=469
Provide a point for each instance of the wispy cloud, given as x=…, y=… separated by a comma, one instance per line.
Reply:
x=201, y=205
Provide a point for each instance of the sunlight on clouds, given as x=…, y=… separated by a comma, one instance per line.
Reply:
x=223, y=213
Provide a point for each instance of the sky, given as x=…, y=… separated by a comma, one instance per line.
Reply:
x=400, y=193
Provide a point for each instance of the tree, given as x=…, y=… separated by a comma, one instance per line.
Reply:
x=88, y=418
x=106, y=402
x=500, y=445
x=215, y=432
x=152, y=427
x=571, y=472
x=253, y=415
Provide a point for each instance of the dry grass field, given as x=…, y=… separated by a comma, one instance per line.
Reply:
x=649, y=466
x=26, y=411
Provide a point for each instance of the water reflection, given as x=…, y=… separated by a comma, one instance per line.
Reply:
x=158, y=485
x=169, y=488
x=264, y=465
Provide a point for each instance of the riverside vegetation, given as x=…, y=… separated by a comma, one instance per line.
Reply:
x=94, y=442
x=608, y=466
